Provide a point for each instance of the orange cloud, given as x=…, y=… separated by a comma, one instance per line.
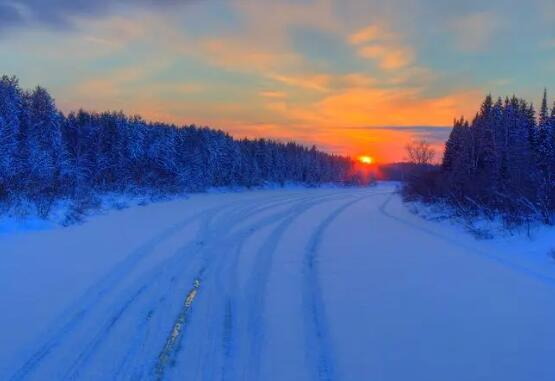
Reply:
x=383, y=107
x=356, y=120
x=273, y=94
x=118, y=82
x=370, y=33
x=239, y=55
x=389, y=58
x=357, y=80
x=382, y=46
x=318, y=82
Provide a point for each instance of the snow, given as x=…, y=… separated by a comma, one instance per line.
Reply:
x=275, y=284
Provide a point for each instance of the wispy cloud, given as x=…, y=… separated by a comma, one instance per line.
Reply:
x=367, y=34
x=317, y=82
x=240, y=55
x=63, y=13
x=273, y=94
x=10, y=15
x=389, y=58
x=381, y=45
x=432, y=134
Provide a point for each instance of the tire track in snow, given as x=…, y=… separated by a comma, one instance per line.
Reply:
x=239, y=214
x=318, y=345
x=73, y=372
x=95, y=294
x=257, y=285
x=137, y=345
x=172, y=264
x=231, y=244
x=171, y=269
x=251, y=326
x=143, y=284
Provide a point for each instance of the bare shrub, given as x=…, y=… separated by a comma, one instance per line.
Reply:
x=420, y=152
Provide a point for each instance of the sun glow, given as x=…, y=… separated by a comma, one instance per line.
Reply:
x=364, y=159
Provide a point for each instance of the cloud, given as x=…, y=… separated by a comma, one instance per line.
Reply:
x=378, y=107
x=357, y=80
x=389, y=58
x=239, y=54
x=376, y=43
x=370, y=33
x=432, y=134
x=62, y=13
x=9, y=16
x=317, y=82
x=121, y=87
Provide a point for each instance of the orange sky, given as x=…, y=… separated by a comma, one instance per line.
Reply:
x=353, y=77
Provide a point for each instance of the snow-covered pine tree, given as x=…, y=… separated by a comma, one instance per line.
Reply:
x=10, y=109
x=44, y=141
x=453, y=145
x=543, y=154
x=44, y=154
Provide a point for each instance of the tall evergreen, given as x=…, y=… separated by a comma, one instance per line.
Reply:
x=453, y=145
x=544, y=138
x=45, y=151
x=11, y=99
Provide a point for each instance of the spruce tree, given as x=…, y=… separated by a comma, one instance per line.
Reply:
x=10, y=109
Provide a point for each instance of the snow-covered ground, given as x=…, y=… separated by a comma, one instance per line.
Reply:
x=297, y=284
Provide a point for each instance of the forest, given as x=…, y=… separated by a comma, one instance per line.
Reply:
x=46, y=155
x=501, y=163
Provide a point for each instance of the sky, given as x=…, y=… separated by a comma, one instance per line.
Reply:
x=350, y=76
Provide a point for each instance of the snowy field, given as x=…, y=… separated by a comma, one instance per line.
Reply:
x=298, y=284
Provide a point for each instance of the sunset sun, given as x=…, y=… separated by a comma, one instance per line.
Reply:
x=365, y=159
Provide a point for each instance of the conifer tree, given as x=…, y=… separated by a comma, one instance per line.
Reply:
x=10, y=109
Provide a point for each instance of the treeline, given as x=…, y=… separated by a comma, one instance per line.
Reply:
x=45, y=155
x=502, y=162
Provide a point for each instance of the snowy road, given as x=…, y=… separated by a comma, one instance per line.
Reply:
x=326, y=284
